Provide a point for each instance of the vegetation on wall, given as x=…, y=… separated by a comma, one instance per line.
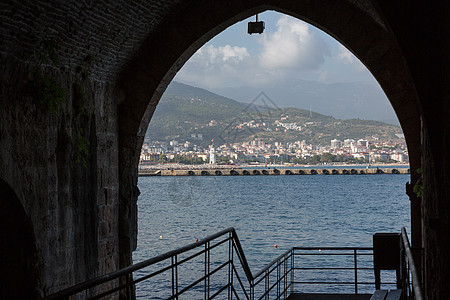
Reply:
x=46, y=89
x=79, y=139
x=84, y=69
x=49, y=94
x=418, y=187
x=81, y=144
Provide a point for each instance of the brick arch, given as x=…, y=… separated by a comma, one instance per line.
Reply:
x=18, y=250
x=359, y=27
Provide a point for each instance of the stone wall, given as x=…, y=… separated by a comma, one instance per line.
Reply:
x=109, y=31
x=62, y=162
x=62, y=159
x=428, y=62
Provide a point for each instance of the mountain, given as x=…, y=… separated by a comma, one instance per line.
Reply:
x=187, y=113
x=188, y=91
x=340, y=100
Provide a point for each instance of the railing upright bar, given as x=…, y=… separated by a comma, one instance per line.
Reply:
x=292, y=270
x=355, y=259
x=230, y=250
x=173, y=278
x=209, y=269
x=206, y=288
x=285, y=278
x=232, y=266
x=278, y=280
x=252, y=289
x=241, y=256
x=267, y=284
x=417, y=285
x=176, y=276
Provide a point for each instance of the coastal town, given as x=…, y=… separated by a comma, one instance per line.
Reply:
x=209, y=130
x=258, y=151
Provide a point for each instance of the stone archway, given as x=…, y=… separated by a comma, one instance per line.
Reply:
x=18, y=248
x=358, y=27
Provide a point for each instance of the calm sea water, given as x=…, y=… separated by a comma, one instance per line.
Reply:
x=285, y=211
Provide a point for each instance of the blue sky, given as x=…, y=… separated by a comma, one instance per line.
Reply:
x=288, y=49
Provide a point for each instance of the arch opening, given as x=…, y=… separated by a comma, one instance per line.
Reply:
x=18, y=249
x=375, y=49
x=316, y=172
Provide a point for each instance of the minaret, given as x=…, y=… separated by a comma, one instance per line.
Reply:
x=212, y=153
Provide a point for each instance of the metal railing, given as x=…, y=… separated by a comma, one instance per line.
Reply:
x=190, y=271
x=352, y=270
x=412, y=273
x=282, y=276
x=123, y=283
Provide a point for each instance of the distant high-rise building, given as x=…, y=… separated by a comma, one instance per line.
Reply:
x=348, y=142
x=336, y=144
x=363, y=143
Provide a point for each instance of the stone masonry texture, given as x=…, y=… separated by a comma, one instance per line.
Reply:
x=79, y=83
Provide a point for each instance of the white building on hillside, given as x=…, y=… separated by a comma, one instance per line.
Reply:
x=336, y=144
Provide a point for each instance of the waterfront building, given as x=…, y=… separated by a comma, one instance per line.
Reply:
x=399, y=156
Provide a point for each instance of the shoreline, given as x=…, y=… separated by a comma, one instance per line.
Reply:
x=175, y=166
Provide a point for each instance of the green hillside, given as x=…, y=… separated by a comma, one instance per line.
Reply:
x=184, y=112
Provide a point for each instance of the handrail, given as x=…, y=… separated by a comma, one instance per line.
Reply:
x=242, y=257
x=127, y=270
x=417, y=286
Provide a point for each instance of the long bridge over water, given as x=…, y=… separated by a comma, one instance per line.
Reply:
x=271, y=171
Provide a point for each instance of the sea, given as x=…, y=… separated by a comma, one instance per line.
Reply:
x=271, y=214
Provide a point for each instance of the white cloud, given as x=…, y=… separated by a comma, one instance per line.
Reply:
x=345, y=56
x=210, y=54
x=212, y=57
x=292, y=46
x=213, y=67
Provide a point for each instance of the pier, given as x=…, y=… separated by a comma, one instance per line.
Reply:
x=272, y=171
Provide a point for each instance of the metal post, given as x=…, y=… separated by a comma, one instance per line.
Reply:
x=174, y=277
x=278, y=279
x=292, y=270
x=284, y=278
x=230, y=248
x=232, y=266
x=355, y=258
x=207, y=269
